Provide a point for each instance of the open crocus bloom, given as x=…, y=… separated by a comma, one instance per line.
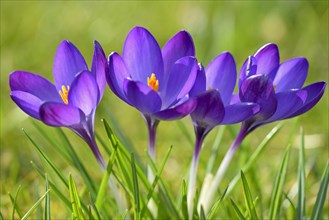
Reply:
x=154, y=81
x=213, y=90
x=72, y=101
x=276, y=87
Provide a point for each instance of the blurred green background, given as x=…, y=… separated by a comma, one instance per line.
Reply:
x=32, y=30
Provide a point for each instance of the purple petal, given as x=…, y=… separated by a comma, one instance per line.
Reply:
x=29, y=103
x=249, y=68
x=142, y=97
x=268, y=59
x=314, y=94
x=59, y=114
x=68, y=62
x=200, y=82
x=221, y=75
x=99, y=68
x=117, y=73
x=210, y=109
x=291, y=74
x=84, y=92
x=177, y=112
x=180, y=45
x=33, y=84
x=259, y=89
x=180, y=81
x=235, y=99
x=142, y=55
x=239, y=112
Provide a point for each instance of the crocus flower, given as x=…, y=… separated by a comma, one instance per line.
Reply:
x=213, y=90
x=72, y=101
x=277, y=88
x=155, y=81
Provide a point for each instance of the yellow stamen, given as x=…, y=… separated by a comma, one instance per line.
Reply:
x=153, y=82
x=209, y=88
x=274, y=87
x=64, y=93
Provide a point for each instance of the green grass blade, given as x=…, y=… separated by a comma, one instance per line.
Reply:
x=156, y=179
x=237, y=210
x=46, y=158
x=184, y=200
x=214, y=209
x=278, y=186
x=301, y=180
x=321, y=197
x=14, y=201
x=253, y=158
x=248, y=197
x=47, y=202
x=136, y=188
x=202, y=214
x=30, y=211
x=98, y=216
x=215, y=148
x=185, y=132
x=105, y=179
x=75, y=201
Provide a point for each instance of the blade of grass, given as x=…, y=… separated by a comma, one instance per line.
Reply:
x=185, y=132
x=47, y=159
x=30, y=211
x=98, y=216
x=321, y=197
x=301, y=180
x=215, y=207
x=136, y=188
x=75, y=201
x=47, y=201
x=237, y=210
x=184, y=200
x=156, y=179
x=248, y=197
x=105, y=179
x=253, y=158
x=14, y=201
x=278, y=186
x=202, y=214
x=215, y=149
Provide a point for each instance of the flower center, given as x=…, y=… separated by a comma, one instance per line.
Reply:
x=153, y=83
x=64, y=94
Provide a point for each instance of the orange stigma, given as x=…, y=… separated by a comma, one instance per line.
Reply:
x=153, y=82
x=64, y=93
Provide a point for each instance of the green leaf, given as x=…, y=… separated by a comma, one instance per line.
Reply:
x=253, y=158
x=47, y=202
x=321, y=197
x=215, y=149
x=29, y=212
x=94, y=207
x=248, y=198
x=301, y=180
x=75, y=201
x=46, y=158
x=278, y=186
x=237, y=210
x=215, y=207
x=202, y=214
x=184, y=200
x=104, y=183
x=14, y=201
x=136, y=188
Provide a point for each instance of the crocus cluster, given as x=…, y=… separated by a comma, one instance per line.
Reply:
x=169, y=83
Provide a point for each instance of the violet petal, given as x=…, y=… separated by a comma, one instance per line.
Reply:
x=29, y=103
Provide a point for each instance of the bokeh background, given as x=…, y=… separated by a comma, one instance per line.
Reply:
x=32, y=30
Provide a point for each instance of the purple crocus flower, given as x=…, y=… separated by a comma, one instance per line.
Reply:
x=155, y=81
x=213, y=90
x=72, y=101
x=277, y=88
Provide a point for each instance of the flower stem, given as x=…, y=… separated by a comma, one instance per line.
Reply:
x=193, y=171
x=152, y=125
x=208, y=196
